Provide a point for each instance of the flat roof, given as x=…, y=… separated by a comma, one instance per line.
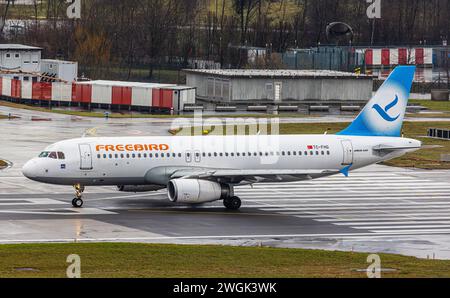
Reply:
x=58, y=61
x=13, y=46
x=275, y=73
x=126, y=84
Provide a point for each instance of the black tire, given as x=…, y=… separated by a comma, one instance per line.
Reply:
x=233, y=203
x=77, y=203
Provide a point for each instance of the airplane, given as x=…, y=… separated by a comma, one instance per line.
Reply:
x=204, y=169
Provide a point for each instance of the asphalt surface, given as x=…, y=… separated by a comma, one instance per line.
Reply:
x=378, y=209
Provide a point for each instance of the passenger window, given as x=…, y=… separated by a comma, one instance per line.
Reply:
x=306, y=153
x=179, y=155
x=145, y=155
x=116, y=156
x=328, y=152
x=300, y=153
x=215, y=154
x=238, y=154
x=110, y=156
x=128, y=155
x=122, y=156
x=104, y=156
x=317, y=152
x=174, y=155
x=156, y=155
x=323, y=153
x=99, y=156
x=61, y=155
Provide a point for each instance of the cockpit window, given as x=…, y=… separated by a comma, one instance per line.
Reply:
x=52, y=155
x=44, y=154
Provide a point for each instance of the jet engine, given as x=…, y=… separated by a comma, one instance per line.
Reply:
x=193, y=191
x=138, y=188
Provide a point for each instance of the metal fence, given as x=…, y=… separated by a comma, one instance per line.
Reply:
x=439, y=133
x=331, y=58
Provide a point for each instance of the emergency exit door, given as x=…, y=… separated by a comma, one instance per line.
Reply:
x=347, y=147
x=85, y=157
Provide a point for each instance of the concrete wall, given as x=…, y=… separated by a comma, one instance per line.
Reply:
x=317, y=89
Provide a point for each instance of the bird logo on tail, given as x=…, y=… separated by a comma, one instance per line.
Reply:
x=384, y=112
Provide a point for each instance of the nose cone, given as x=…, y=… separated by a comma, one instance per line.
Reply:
x=29, y=170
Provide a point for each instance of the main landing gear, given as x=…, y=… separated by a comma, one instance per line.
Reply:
x=77, y=202
x=232, y=203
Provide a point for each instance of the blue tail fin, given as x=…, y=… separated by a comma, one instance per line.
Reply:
x=385, y=112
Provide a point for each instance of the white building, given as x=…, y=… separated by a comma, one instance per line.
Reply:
x=15, y=58
x=64, y=70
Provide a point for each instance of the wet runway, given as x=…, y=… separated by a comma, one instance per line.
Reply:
x=378, y=209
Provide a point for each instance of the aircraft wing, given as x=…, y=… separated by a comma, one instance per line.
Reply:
x=249, y=175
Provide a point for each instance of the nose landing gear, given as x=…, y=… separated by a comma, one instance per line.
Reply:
x=77, y=202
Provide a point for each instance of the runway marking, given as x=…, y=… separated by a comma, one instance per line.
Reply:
x=64, y=211
x=355, y=236
x=29, y=201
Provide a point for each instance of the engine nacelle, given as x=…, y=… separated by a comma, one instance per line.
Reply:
x=193, y=191
x=138, y=188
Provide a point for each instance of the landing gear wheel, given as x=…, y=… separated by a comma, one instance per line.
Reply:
x=77, y=203
x=233, y=203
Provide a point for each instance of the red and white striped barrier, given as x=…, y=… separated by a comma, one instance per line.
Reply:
x=399, y=56
x=111, y=93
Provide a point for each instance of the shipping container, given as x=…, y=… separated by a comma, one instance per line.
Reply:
x=428, y=56
x=402, y=56
x=141, y=96
x=81, y=93
x=6, y=87
x=385, y=57
x=369, y=57
x=27, y=89
x=411, y=56
x=393, y=56
x=156, y=97
x=42, y=91
x=61, y=92
x=121, y=95
x=16, y=89
x=377, y=57
x=420, y=56
x=183, y=95
x=101, y=94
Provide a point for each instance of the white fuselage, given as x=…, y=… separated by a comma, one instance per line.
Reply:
x=128, y=160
